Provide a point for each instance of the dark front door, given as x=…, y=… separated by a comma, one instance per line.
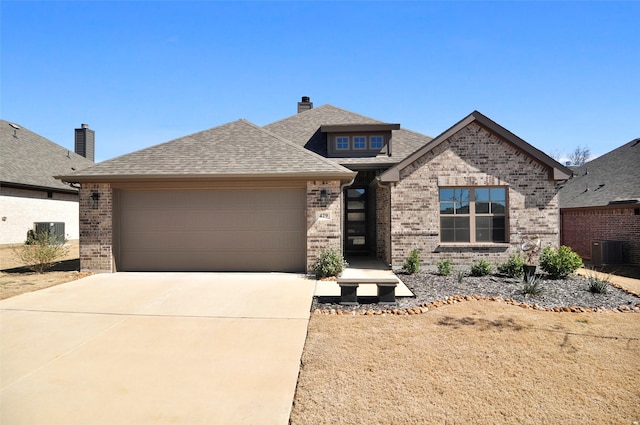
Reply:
x=357, y=239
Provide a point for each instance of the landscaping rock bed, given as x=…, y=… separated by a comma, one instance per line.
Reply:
x=432, y=290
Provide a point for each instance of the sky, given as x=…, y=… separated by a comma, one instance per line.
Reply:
x=557, y=74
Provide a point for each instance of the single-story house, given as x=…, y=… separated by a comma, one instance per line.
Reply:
x=29, y=193
x=601, y=202
x=240, y=197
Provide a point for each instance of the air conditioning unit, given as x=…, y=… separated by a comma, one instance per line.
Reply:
x=55, y=230
x=606, y=252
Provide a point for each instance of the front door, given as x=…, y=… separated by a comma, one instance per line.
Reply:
x=357, y=239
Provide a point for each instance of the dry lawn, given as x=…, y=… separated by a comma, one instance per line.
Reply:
x=14, y=283
x=473, y=362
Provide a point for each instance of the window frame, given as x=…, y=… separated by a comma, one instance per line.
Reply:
x=473, y=215
x=338, y=139
x=381, y=137
x=364, y=141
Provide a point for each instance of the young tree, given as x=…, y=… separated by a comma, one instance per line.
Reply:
x=580, y=155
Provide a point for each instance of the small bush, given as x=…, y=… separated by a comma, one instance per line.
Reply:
x=41, y=252
x=480, y=268
x=598, y=285
x=412, y=263
x=444, y=267
x=513, y=266
x=533, y=286
x=559, y=263
x=330, y=263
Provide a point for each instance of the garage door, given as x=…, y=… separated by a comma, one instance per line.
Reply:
x=211, y=230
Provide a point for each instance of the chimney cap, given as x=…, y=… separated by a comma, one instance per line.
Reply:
x=84, y=126
x=306, y=99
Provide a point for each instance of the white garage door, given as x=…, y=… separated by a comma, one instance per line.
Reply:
x=211, y=230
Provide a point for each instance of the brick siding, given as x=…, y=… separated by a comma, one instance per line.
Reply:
x=472, y=157
x=323, y=232
x=96, y=225
x=582, y=226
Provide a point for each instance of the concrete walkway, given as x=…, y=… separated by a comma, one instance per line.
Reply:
x=626, y=283
x=154, y=348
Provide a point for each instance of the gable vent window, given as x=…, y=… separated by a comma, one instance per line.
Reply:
x=342, y=143
x=473, y=215
x=359, y=142
x=375, y=142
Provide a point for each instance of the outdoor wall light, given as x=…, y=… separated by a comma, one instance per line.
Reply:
x=323, y=198
x=95, y=197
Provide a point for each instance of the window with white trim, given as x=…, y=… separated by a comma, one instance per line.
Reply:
x=473, y=214
x=359, y=142
x=376, y=142
x=342, y=143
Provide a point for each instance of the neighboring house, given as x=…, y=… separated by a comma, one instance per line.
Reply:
x=602, y=202
x=29, y=193
x=245, y=198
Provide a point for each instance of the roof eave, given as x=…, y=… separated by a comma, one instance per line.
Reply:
x=37, y=187
x=329, y=175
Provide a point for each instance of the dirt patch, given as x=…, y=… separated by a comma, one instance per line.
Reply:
x=12, y=284
x=472, y=362
x=16, y=279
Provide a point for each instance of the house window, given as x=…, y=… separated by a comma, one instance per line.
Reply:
x=359, y=142
x=473, y=215
x=342, y=143
x=375, y=142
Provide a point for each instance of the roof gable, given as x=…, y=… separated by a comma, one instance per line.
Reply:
x=238, y=149
x=611, y=179
x=557, y=171
x=30, y=160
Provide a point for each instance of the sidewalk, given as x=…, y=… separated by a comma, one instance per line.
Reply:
x=626, y=283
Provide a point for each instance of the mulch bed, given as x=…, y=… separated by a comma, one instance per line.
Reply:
x=432, y=290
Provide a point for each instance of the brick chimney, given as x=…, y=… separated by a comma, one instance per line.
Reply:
x=305, y=105
x=85, y=142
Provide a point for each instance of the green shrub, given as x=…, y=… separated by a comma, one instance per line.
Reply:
x=598, y=285
x=330, y=263
x=444, y=267
x=513, y=266
x=41, y=251
x=480, y=268
x=412, y=263
x=533, y=286
x=561, y=262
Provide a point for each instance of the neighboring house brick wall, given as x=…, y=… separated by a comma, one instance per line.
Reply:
x=471, y=157
x=582, y=226
x=96, y=235
x=323, y=232
x=17, y=215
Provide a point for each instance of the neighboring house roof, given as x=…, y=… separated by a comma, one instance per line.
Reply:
x=557, y=170
x=304, y=130
x=236, y=150
x=29, y=160
x=611, y=179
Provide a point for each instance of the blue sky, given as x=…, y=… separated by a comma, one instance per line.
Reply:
x=557, y=74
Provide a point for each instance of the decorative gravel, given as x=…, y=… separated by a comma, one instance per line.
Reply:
x=430, y=288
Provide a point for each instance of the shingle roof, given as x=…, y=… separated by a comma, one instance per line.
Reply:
x=304, y=130
x=557, y=171
x=28, y=159
x=238, y=149
x=613, y=178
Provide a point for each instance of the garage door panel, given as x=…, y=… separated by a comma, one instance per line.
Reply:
x=231, y=230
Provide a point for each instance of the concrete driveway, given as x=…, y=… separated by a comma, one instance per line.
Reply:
x=154, y=348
